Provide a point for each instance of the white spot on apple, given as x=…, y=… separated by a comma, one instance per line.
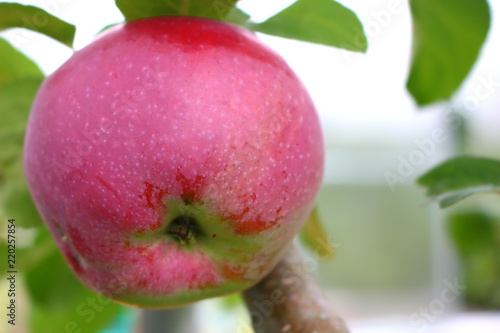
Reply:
x=203, y=122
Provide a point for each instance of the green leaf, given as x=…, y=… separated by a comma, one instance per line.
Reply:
x=138, y=9
x=317, y=21
x=447, y=36
x=17, y=203
x=476, y=236
x=231, y=302
x=14, y=15
x=314, y=236
x=63, y=287
x=34, y=254
x=14, y=65
x=237, y=16
x=16, y=98
x=19, y=82
x=473, y=232
x=61, y=303
x=461, y=177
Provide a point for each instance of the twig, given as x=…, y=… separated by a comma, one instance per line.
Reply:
x=288, y=300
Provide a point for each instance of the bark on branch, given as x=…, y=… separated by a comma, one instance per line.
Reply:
x=288, y=300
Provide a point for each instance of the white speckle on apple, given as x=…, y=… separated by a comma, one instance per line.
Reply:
x=165, y=118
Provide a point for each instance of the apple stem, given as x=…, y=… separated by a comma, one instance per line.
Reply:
x=288, y=300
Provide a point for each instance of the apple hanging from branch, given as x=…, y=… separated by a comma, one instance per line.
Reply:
x=173, y=159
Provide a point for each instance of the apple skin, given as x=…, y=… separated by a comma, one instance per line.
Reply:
x=173, y=159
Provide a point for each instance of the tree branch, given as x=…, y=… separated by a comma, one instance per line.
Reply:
x=288, y=300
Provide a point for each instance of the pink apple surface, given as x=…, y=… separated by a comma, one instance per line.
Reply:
x=173, y=159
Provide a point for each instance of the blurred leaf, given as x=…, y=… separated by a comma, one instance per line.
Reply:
x=473, y=232
x=461, y=177
x=314, y=236
x=16, y=98
x=237, y=16
x=42, y=247
x=14, y=65
x=448, y=36
x=61, y=303
x=87, y=315
x=232, y=301
x=460, y=129
x=317, y=21
x=138, y=9
x=482, y=278
x=14, y=15
x=476, y=235
x=52, y=284
x=17, y=202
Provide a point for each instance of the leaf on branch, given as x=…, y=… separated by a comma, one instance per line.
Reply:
x=238, y=16
x=313, y=235
x=460, y=177
x=61, y=302
x=14, y=15
x=15, y=102
x=139, y=9
x=19, y=80
x=447, y=38
x=473, y=232
x=14, y=64
x=17, y=202
x=317, y=21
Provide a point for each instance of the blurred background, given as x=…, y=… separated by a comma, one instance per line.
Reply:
x=397, y=253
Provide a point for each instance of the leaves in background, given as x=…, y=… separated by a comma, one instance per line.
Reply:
x=61, y=302
x=447, y=36
x=138, y=9
x=17, y=203
x=461, y=177
x=14, y=15
x=231, y=302
x=473, y=232
x=19, y=82
x=15, y=101
x=314, y=236
x=13, y=64
x=476, y=236
x=317, y=21
x=238, y=17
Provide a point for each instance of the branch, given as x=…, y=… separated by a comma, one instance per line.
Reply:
x=288, y=300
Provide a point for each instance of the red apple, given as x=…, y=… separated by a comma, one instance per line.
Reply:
x=173, y=159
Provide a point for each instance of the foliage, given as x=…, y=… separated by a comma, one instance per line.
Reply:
x=476, y=235
x=137, y=9
x=14, y=15
x=318, y=21
x=447, y=37
x=461, y=177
